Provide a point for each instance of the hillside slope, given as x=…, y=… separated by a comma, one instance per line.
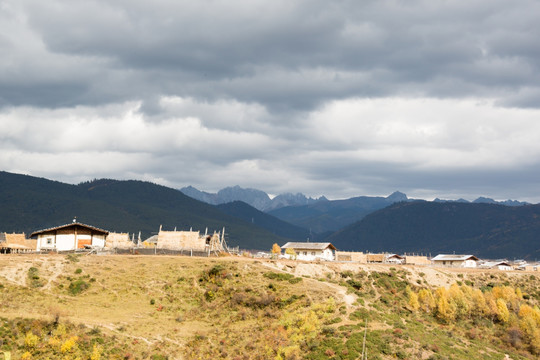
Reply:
x=485, y=230
x=325, y=216
x=276, y=226
x=236, y=308
x=29, y=203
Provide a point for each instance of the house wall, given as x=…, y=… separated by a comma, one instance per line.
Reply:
x=59, y=242
x=354, y=256
x=118, y=241
x=455, y=263
x=311, y=254
x=375, y=258
x=181, y=240
x=20, y=239
x=67, y=240
x=416, y=260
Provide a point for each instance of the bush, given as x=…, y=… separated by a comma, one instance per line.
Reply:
x=73, y=258
x=78, y=286
x=33, y=277
x=356, y=285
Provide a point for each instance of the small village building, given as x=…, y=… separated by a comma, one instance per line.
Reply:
x=499, y=265
x=352, y=256
x=528, y=267
x=310, y=251
x=16, y=243
x=187, y=241
x=394, y=259
x=416, y=260
x=466, y=261
x=118, y=241
x=70, y=237
x=375, y=258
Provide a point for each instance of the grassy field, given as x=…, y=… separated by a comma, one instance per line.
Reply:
x=159, y=307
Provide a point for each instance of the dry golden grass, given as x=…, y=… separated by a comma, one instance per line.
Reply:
x=177, y=307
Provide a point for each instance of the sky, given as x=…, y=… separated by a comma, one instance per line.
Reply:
x=336, y=98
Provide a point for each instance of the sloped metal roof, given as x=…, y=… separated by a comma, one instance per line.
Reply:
x=308, y=246
x=93, y=228
x=454, y=257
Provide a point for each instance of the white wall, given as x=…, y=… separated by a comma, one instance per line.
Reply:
x=311, y=255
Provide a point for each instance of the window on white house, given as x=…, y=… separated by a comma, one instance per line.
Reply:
x=49, y=241
x=313, y=253
x=305, y=252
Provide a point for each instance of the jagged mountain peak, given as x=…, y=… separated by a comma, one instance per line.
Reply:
x=397, y=196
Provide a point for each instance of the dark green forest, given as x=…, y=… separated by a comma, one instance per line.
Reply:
x=485, y=230
x=29, y=203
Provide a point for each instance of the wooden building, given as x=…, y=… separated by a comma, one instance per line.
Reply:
x=70, y=237
x=417, y=260
x=352, y=256
x=16, y=243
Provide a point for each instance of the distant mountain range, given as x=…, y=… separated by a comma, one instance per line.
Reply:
x=261, y=200
x=320, y=216
x=329, y=216
x=393, y=224
x=256, y=198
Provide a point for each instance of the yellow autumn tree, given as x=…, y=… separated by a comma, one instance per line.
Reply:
x=426, y=300
x=446, y=310
x=479, y=306
x=413, y=299
x=458, y=298
x=291, y=253
x=276, y=250
x=502, y=311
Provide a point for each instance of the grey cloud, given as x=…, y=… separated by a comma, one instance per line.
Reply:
x=227, y=91
x=226, y=50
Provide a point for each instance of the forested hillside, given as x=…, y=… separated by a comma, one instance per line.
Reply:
x=28, y=204
x=485, y=230
x=276, y=226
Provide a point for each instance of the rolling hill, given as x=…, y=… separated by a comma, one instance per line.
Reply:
x=276, y=226
x=29, y=203
x=485, y=230
x=330, y=216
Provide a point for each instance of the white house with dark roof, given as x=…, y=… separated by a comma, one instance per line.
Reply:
x=453, y=260
x=499, y=265
x=70, y=237
x=310, y=251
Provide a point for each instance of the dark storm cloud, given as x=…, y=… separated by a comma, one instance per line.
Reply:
x=328, y=98
x=283, y=55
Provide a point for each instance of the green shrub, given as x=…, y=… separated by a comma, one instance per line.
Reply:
x=295, y=280
x=73, y=258
x=33, y=277
x=356, y=285
x=78, y=286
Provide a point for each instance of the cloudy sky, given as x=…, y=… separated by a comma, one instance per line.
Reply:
x=336, y=98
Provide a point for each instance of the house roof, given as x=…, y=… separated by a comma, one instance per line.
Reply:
x=308, y=246
x=66, y=226
x=15, y=246
x=390, y=256
x=491, y=264
x=454, y=257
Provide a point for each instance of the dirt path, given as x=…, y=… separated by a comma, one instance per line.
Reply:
x=340, y=291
